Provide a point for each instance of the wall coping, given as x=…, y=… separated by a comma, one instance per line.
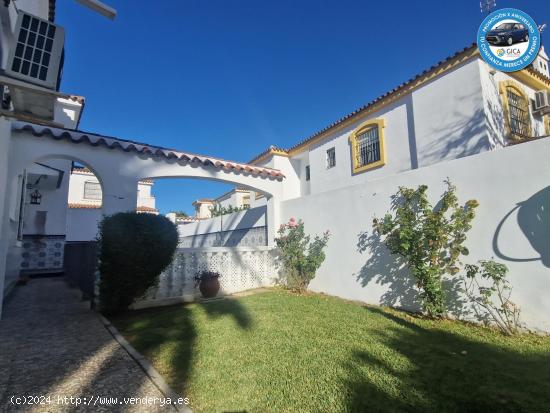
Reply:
x=225, y=249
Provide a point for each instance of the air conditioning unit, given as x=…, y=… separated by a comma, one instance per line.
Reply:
x=542, y=102
x=36, y=52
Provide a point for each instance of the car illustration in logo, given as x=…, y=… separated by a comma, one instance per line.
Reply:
x=508, y=34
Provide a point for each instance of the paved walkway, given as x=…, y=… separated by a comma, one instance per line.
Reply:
x=51, y=344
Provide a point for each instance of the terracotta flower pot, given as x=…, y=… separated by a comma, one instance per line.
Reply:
x=209, y=287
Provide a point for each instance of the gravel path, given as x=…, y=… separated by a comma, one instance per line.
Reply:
x=51, y=344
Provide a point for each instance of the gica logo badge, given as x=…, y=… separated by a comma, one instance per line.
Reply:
x=508, y=40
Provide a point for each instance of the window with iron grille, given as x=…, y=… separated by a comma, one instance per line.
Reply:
x=331, y=158
x=367, y=147
x=308, y=174
x=518, y=112
x=92, y=190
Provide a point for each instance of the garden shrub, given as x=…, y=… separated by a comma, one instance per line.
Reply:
x=430, y=239
x=300, y=257
x=486, y=286
x=134, y=250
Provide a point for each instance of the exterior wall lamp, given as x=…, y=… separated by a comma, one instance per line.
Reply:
x=36, y=197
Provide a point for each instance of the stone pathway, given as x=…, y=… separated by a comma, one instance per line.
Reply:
x=51, y=344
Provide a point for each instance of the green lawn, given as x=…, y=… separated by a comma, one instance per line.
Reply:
x=280, y=352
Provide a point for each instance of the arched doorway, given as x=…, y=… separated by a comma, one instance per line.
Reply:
x=119, y=166
x=60, y=202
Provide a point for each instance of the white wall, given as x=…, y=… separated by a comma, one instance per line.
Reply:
x=82, y=224
x=76, y=189
x=7, y=236
x=67, y=112
x=53, y=202
x=449, y=117
x=293, y=171
x=441, y=120
x=39, y=8
x=249, y=218
x=79, y=179
x=202, y=209
x=145, y=197
x=233, y=199
x=513, y=188
x=257, y=200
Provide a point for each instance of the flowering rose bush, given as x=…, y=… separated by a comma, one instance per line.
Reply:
x=300, y=257
x=430, y=239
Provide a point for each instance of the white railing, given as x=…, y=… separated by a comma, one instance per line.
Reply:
x=240, y=268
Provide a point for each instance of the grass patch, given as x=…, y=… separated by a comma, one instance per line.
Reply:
x=277, y=351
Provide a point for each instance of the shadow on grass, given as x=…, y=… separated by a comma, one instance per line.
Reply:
x=171, y=335
x=438, y=377
x=230, y=307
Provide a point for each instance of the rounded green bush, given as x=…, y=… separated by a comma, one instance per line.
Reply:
x=134, y=250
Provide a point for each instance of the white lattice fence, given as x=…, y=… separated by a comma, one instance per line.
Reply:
x=241, y=268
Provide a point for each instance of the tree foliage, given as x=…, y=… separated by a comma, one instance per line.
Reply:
x=219, y=210
x=181, y=214
x=300, y=257
x=430, y=239
x=134, y=250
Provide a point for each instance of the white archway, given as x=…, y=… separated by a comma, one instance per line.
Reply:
x=120, y=164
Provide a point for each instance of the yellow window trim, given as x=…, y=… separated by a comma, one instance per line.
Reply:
x=380, y=124
x=547, y=124
x=503, y=87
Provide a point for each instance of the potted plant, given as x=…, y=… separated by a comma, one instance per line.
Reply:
x=208, y=282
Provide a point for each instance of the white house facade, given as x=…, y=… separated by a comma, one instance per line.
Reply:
x=41, y=210
x=458, y=108
x=459, y=119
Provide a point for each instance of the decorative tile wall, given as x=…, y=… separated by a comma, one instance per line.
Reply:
x=42, y=253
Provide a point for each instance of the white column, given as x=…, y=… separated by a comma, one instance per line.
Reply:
x=119, y=194
x=5, y=194
x=273, y=219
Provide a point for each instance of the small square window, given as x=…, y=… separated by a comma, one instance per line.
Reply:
x=308, y=173
x=92, y=190
x=331, y=158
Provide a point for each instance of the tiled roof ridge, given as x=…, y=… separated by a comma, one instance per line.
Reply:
x=143, y=208
x=78, y=205
x=143, y=148
x=369, y=104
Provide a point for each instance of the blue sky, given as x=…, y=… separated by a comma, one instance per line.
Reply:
x=229, y=78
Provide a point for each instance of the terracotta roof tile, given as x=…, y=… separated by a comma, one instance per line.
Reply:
x=77, y=136
x=403, y=85
x=143, y=208
x=83, y=206
x=467, y=51
x=76, y=98
x=140, y=208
